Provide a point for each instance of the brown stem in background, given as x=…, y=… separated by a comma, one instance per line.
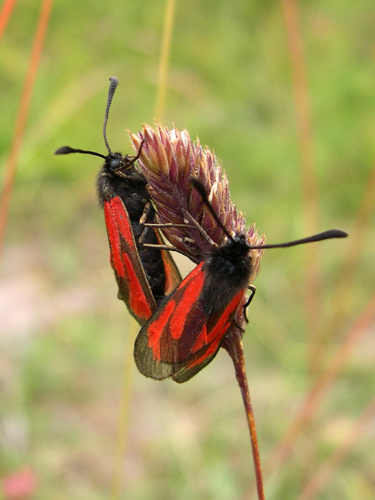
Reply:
x=308, y=178
x=320, y=389
x=341, y=305
x=5, y=14
x=233, y=344
x=11, y=167
x=328, y=468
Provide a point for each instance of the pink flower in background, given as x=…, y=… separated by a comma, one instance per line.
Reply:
x=20, y=485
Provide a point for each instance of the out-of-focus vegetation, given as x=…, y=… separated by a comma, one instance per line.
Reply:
x=62, y=330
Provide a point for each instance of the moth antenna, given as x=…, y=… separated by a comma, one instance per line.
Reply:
x=111, y=93
x=66, y=150
x=137, y=156
x=325, y=235
x=201, y=190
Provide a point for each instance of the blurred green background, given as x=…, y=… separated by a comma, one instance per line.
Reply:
x=64, y=334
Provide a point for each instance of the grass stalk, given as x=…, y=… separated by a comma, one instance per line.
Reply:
x=327, y=470
x=341, y=304
x=321, y=387
x=123, y=424
x=164, y=59
x=5, y=13
x=128, y=370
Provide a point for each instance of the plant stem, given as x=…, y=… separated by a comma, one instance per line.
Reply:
x=164, y=58
x=23, y=111
x=233, y=344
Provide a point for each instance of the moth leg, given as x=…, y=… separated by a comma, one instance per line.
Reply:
x=123, y=175
x=147, y=226
x=171, y=248
x=127, y=163
x=198, y=227
x=134, y=158
x=247, y=303
x=245, y=306
x=239, y=326
x=167, y=224
x=143, y=221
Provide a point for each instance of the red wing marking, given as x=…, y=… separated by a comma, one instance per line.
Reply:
x=156, y=328
x=138, y=302
x=171, y=309
x=183, y=336
x=191, y=293
x=114, y=240
x=133, y=285
x=217, y=333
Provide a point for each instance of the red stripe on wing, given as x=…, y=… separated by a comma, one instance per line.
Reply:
x=173, y=309
x=192, y=289
x=133, y=285
x=207, y=352
x=183, y=336
x=156, y=328
x=139, y=303
x=114, y=240
x=157, y=350
x=217, y=333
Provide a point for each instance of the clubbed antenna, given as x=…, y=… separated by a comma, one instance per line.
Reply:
x=66, y=150
x=111, y=93
x=326, y=235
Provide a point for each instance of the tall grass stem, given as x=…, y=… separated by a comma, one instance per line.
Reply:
x=164, y=59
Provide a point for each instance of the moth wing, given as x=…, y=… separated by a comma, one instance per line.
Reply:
x=218, y=325
x=133, y=286
x=183, y=335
